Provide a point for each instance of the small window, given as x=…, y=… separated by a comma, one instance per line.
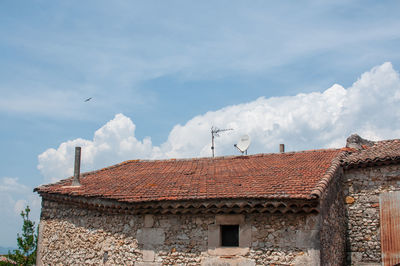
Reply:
x=229, y=235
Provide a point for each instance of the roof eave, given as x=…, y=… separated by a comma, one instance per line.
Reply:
x=212, y=206
x=371, y=162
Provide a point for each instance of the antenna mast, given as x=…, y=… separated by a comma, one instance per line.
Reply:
x=215, y=133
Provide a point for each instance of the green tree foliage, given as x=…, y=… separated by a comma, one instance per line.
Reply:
x=27, y=242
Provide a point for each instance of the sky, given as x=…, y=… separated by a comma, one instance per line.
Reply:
x=162, y=73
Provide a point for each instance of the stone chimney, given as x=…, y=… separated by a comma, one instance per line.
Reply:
x=77, y=167
x=281, y=147
x=358, y=143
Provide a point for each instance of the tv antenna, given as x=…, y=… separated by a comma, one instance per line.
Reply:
x=243, y=144
x=215, y=133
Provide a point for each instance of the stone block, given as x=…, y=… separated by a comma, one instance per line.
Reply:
x=228, y=251
x=148, y=220
x=287, y=238
x=148, y=255
x=213, y=236
x=369, y=199
x=150, y=236
x=227, y=262
x=356, y=257
x=229, y=219
x=167, y=223
x=392, y=175
x=312, y=222
x=307, y=239
x=40, y=244
x=349, y=200
x=148, y=263
x=371, y=212
x=312, y=257
x=244, y=235
x=182, y=236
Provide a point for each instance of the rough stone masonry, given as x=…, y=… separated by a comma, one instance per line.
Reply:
x=362, y=187
x=70, y=235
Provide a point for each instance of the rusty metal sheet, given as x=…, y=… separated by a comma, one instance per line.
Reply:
x=389, y=204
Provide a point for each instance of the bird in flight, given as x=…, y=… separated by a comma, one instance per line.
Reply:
x=88, y=99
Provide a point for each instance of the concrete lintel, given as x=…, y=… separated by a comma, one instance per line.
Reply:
x=229, y=219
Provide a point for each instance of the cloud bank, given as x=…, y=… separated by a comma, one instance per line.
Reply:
x=305, y=121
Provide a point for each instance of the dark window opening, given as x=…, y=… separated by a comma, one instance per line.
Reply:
x=229, y=235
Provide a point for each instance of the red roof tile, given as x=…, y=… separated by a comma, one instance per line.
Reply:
x=292, y=175
x=7, y=260
x=385, y=150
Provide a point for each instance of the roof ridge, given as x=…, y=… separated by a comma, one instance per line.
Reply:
x=386, y=140
x=199, y=159
x=329, y=174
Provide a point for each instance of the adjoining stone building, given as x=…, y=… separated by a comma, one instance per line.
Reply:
x=318, y=207
x=371, y=187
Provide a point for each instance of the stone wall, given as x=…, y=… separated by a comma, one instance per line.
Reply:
x=286, y=239
x=333, y=223
x=362, y=187
x=69, y=235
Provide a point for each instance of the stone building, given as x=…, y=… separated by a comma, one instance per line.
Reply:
x=319, y=207
x=371, y=187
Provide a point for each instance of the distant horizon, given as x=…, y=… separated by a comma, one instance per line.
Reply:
x=6, y=249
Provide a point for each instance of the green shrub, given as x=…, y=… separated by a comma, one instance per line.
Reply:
x=27, y=242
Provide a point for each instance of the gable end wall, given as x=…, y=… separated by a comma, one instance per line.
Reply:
x=333, y=223
x=361, y=188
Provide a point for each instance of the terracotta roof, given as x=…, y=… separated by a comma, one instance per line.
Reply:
x=381, y=151
x=292, y=175
x=7, y=260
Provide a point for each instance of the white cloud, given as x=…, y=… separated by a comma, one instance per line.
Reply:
x=305, y=121
x=112, y=143
x=14, y=197
x=17, y=195
x=20, y=206
x=10, y=184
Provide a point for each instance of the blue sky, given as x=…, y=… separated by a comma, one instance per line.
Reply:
x=168, y=70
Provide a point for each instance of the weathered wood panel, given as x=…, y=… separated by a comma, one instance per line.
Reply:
x=389, y=203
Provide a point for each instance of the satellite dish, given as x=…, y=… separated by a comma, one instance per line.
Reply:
x=243, y=144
